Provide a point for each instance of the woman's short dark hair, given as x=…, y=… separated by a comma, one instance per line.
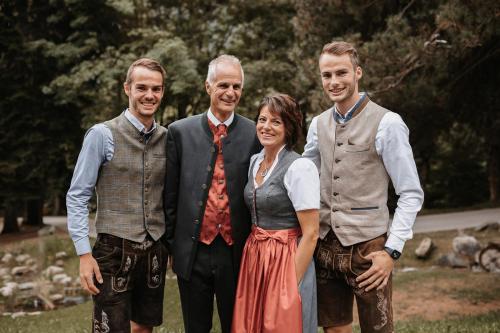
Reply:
x=289, y=111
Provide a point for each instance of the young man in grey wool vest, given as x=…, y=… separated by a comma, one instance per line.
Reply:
x=359, y=146
x=124, y=160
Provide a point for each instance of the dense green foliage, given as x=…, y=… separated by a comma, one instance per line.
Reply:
x=62, y=64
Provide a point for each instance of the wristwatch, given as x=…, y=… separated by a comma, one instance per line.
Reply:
x=393, y=253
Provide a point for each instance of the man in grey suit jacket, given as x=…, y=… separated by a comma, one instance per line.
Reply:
x=207, y=220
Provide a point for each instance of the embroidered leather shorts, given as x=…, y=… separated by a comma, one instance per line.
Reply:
x=337, y=268
x=134, y=280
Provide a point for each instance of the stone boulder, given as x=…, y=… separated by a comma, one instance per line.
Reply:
x=466, y=245
x=425, y=248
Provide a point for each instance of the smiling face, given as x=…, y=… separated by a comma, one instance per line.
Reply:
x=144, y=92
x=225, y=90
x=340, y=80
x=270, y=129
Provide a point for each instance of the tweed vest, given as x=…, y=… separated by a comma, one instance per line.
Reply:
x=269, y=204
x=130, y=186
x=354, y=181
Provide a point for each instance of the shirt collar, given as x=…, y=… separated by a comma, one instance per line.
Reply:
x=217, y=122
x=348, y=115
x=137, y=124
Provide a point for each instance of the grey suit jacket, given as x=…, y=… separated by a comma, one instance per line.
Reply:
x=191, y=156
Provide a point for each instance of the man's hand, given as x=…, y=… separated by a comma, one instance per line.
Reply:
x=89, y=267
x=378, y=274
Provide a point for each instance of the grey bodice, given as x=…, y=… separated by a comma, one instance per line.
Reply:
x=269, y=204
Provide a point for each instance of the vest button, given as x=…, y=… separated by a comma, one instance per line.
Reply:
x=212, y=150
x=336, y=177
x=146, y=202
x=221, y=181
x=339, y=144
x=221, y=166
x=197, y=221
x=334, y=210
x=337, y=160
x=221, y=197
x=335, y=194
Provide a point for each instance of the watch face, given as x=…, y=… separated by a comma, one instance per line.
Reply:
x=395, y=254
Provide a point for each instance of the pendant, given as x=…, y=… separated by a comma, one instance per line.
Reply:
x=264, y=172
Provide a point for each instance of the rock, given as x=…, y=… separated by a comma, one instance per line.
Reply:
x=408, y=269
x=56, y=298
x=60, y=263
x=18, y=314
x=488, y=226
x=7, y=258
x=452, y=260
x=27, y=285
x=46, y=231
x=20, y=270
x=52, y=270
x=466, y=245
x=61, y=255
x=9, y=289
x=4, y=270
x=7, y=314
x=62, y=278
x=30, y=262
x=21, y=259
x=425, y=248
x=73, y=300
x=34, y=313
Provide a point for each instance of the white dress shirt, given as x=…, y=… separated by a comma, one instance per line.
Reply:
x=392, y=144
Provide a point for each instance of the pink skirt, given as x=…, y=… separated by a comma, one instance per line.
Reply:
x=267, y=297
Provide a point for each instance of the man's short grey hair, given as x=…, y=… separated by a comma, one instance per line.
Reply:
x=224, y=58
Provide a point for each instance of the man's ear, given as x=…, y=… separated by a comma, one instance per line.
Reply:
x=207, y=87
x=359, y=73
x=126, y=88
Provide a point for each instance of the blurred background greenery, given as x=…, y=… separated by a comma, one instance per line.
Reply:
x=63, y=62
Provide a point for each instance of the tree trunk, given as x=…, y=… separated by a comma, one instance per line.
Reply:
x=493, y=172
x=35, y=212
x=10, y=219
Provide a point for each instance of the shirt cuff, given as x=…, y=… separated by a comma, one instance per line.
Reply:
x=395, y=243
x=82, y=246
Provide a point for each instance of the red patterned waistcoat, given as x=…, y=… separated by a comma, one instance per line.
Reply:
x=216, y=218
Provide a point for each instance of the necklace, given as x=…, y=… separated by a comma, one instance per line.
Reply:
x=264, y=172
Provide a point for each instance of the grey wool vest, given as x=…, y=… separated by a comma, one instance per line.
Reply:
x=269, y=204
x=354, y=181
x=130, y=186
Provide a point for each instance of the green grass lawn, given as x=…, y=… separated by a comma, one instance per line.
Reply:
x=462, y=285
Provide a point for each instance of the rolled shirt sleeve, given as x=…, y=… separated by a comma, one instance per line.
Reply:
x=302, y=183
x=97, y=149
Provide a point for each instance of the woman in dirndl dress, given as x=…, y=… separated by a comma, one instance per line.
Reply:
x=277, y=284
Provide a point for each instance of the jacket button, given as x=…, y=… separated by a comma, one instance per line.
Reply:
x=196, y=221
x=193, y=238
x=200, y=203
x=204, y=186
x=212, y=150
x=335, y=194
x=209, y=168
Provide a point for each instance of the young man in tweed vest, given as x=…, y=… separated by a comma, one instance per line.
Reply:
x=359, y=146
x=124, y=160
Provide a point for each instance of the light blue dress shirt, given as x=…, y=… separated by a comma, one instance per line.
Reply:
x=97, y=149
